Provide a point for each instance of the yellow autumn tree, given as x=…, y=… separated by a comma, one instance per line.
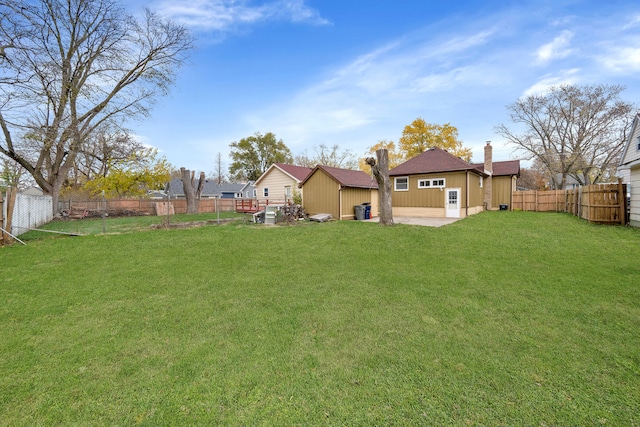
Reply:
x=395, y=158
x=134, y=176
x=419, y=136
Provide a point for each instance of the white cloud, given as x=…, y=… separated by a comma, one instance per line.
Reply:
x=565, y=77
x=633, y=22
x=225, y=15
x=623, y=60
x=388, y=82
x=557, y=48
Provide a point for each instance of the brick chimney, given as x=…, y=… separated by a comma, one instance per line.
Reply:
x=488, y=169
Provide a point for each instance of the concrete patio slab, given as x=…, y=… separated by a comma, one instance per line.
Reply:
x=412, y=220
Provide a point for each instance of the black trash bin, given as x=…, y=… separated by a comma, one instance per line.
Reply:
x=504, y=207
x=359, y=212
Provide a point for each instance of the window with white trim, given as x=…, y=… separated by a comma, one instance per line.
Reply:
x=432, y=183
x=401, y=183
x=265, y=191
x=638, y=143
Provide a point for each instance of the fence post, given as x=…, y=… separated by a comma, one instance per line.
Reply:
x=11, y=202
x=622, y=202
x=1, y=219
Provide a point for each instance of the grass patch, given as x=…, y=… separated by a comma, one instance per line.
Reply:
x=504, y=318
x=124, y=224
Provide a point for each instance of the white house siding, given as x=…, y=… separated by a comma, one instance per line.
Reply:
x=276, y=181
x=632, y=153
x=634, y=217
x=631, y=161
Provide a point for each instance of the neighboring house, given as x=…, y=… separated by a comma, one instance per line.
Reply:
x=278, y=183
x=439, y=184
x=336, y=191
x=631, y=161
x=212, y=190
x=570, y=181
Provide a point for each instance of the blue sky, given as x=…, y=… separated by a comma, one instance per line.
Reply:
x=353, y=72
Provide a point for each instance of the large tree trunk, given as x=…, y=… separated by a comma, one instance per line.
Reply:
x=192, y=191
x=381, y=173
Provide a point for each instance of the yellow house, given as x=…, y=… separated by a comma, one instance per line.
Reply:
x=337, y=191
x=278, y=184
x=439, y=184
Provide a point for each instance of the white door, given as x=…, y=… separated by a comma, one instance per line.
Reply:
x=452, y=202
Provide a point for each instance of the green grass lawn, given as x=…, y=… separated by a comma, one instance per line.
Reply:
x=503, y=318
x=125, y=224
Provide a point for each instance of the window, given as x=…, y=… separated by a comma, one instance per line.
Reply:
x=287, y=192
x=265, y=191
x=255, y=193
x=638, y=145
x=431, y=183
x=401, y=183
x=480, y=182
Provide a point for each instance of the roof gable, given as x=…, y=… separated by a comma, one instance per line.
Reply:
x=346, y=177
x=627, y=153
x=297, y=173
x=431, y=161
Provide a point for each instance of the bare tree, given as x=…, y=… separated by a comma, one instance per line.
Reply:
x=11, y=174
x=69, y=66
x=576, y=131
x=380, y=170
x=106, y=146
x=192, y=189
x=218, y=173
x=328, y=156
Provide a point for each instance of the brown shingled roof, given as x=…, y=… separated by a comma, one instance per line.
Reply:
x=298, y=172
x=504, y=168
x=433, y=160
x=347, y=177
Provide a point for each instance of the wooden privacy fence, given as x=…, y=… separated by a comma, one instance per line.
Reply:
x=145, y=206
x=540, y=201
x=600, y=203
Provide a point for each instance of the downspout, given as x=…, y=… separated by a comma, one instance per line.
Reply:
x=513, y=188
x=340, y=202
x=466, y=208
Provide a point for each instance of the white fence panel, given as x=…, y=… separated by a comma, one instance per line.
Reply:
x=30, y=212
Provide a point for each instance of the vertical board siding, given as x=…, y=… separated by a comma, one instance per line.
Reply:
x=476, y=193
x=502, y=190
x=434, y=197
x=427, y=197
x=321, y=195
x=352, y=197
